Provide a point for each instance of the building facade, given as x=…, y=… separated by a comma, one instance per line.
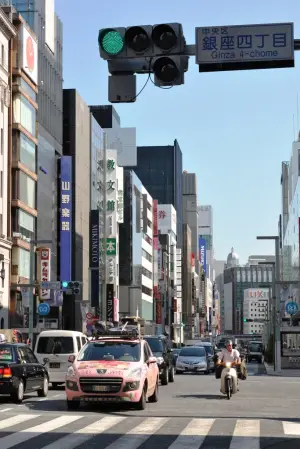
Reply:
x=7, y=33
x=190, y=212
x=160, y=170
x=77, y=140
x=136, y=250
x=187, y=306
x=255, y=310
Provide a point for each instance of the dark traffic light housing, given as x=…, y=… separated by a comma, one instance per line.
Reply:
x=71, y=287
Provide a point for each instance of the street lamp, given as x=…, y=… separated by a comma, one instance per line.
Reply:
x=277, y=301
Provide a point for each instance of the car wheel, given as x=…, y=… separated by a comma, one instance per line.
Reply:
x=18, y=395
x=172, y=375
x=165, y=377
x=73, y=405
x=141, y=405
x=43, y=392
x=154, y=396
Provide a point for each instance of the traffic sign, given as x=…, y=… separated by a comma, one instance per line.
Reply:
x=239, y=47
x=89, y=316
x=291, y=308
x=43, y=309
x=50, y=285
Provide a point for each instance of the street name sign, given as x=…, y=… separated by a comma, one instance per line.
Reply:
x=50, y=285
x=245, y=47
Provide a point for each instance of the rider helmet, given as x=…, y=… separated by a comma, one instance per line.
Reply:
x=229, y=345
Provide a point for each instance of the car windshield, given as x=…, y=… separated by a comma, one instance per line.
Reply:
x=155, y=344
x=110, y=350
x=192, y=352
x=6, y=353
x=55, y=345
x=255, y=347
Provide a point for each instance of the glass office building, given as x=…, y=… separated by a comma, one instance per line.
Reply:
x=160, y=170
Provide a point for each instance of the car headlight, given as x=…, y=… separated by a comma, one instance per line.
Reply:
x=228, y=365
x=136, y=373
x=160, y=360
x=71, y=372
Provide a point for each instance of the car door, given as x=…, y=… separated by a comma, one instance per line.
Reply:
x=38, y=368
x=28, y=368
x=151, y=367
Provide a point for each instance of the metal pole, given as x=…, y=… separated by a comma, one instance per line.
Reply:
x=277, y=317
x=31, y=297
x=104, y=289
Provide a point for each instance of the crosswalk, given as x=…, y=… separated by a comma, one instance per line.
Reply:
x=117, y=431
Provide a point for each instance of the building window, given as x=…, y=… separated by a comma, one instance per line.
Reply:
x=24, y=114
x=27, y=188
x=27, y=152
x=146, y=290
x=25, y=224
x=21, y=262
x=29, y=91
x=146, y=255
x=146, y=273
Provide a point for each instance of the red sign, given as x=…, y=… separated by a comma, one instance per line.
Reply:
x=155, y=218
x=174, y=305
x=193, y=259
x=158, y=309
x=156, y=293
x=45, y=256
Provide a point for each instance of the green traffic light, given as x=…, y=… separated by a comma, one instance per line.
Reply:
x=111, y=41
x=65, y=284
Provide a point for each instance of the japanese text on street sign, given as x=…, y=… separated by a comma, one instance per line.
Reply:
x=244, y=43
x=45, y=258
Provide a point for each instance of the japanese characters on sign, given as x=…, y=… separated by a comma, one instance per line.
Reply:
x=158, y=311
x=120, y=195
x=111, y=270
x=155, y=217
x=66, y=218
x=269, y=45
x=110, y=302
x=45, y=271
x=111, y=247
x=167, y=218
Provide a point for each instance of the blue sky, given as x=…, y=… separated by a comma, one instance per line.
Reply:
x=234, y=128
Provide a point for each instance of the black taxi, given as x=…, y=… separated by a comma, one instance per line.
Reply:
x=21, y=373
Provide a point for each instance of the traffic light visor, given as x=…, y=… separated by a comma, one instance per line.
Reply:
x=137, y=39
x=111, y=41
x=164, y=37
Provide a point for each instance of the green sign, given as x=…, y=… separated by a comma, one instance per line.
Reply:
x=111, y=247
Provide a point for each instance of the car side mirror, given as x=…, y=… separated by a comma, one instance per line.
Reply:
x=152, y=360
x=71, y=359
x=45, y=360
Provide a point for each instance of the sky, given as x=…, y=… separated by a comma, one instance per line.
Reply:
x=234, y=128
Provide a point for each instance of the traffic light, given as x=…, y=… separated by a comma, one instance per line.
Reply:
x=71, y=287
x=245, y=320
x=157, y=49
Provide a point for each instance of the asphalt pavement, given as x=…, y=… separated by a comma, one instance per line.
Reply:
x=190, y=414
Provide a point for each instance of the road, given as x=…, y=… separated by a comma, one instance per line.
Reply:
x=190, y=414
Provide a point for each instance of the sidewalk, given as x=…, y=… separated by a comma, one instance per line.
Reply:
x=284, y=372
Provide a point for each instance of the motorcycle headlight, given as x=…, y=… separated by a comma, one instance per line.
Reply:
x=228, y=365
x=160, y=360
x=136, y=373
x=71, y=372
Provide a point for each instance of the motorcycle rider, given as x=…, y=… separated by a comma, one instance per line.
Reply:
x=228, y=355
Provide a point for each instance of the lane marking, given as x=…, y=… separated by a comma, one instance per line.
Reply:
x=193, y=435
x=138, y=435
x=246, y=434
x=291, y=428
x=5, y=410
x=14, y=420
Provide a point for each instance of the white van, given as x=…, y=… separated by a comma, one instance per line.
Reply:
x=57, y=346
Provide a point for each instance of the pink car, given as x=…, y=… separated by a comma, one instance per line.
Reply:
x=113, y=369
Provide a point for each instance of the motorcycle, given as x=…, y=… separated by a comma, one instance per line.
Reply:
x=230, y=379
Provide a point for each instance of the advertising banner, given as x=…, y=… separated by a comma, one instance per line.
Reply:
x=116, y=309
x=202, y=253
x=155, y=217
x=120, y=199
x=167, y=218
x=29, y=54
x=94, y=256
x=110, y=302
x=158, y=311
x=66, y=218
x=45, y=271
x=111, y=193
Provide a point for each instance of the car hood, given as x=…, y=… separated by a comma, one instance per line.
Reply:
x=106, y=368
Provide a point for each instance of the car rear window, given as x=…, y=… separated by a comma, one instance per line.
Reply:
x=155, y=344
x=6, y=354
x=192, y=352
x=110, y=350
x=55, y=345
x=255, y=347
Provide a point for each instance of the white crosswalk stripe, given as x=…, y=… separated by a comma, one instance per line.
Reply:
x=126, y=432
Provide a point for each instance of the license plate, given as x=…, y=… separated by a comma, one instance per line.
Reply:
x=100, y=388
x=54, y=365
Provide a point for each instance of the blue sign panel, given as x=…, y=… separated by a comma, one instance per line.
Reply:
x=291, y=308
x=245, y=47
x=202, y=253
x=43, y=309
x=66, y=218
